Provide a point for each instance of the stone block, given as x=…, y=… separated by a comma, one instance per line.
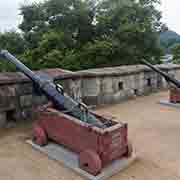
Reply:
x=8, y=91
x=139, y=92
x=117, y=97
x=128, y=82
x=65, y=84
x=107, y=85
x=73, y=88
x=141, y=84
x=26, y=100
x=71, y=160
x=91, y=87
x=91, y=100
x=177, y=74
x=28, y=114
x=138, y=81
x=24, y=89
x=121, y=96
x=148, y=75
x=132, y=81
x=129, y=93
x=39, y=100
x=8, y=103
x=119, y=84
x=107, y=99
x=159, y=82
x=3, y=119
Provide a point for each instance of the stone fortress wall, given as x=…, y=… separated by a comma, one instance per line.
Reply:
x=94, y=87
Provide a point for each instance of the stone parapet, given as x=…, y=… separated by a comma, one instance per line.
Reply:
x=18, y=97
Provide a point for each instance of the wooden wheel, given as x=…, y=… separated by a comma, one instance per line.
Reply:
x=129, y=150
x=39, y=136
x=90, y=162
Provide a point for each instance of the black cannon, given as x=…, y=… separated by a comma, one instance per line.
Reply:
x=55, y=94
x=174, y=96
x=97, y=140
x=167, y=77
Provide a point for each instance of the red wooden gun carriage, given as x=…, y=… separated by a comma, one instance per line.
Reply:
x=174, y=90
x=98, y=140
x=96, y=147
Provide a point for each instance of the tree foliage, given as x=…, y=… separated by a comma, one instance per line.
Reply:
x=77, y=34
x=176, y=53
x=14, y=43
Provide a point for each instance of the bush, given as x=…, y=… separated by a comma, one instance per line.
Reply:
x=82, y=34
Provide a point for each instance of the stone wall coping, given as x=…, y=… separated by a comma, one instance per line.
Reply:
x=115, y=71
x=61, y=74
x=18, y=77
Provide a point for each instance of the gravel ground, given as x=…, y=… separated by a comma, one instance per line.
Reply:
x=153, y=129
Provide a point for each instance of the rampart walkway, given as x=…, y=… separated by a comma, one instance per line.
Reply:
x=154, y=130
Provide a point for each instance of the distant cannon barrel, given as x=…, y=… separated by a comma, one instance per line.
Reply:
x=20, y=66
x=165, y=75
x=55, y=94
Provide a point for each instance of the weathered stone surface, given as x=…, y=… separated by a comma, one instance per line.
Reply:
x=107, y=85
x=91, y=87
x=39, y=100
x=8, y=103
x=159, y=82
x=129, y=93
x=117, y=96
x=26, y=100
x=139, y=91
x=28, y=114
x=177, y=74
x=24, y=89
x=8, y=90
x=94, y=87
x=91, y=100
x=3, y=119
x=116, y=82
x=73, y=88
x=19, y=78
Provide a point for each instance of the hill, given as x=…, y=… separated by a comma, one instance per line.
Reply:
x=168, y=40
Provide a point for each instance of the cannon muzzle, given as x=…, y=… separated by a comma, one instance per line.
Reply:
x=167, y=77
x=55, y=94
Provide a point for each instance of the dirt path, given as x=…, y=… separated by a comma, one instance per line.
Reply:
x=154, y=130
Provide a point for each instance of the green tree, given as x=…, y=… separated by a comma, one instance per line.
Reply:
x=134, y=27
x=72, y=17
x=78, y=34
x=176, y=53
x=14, y=43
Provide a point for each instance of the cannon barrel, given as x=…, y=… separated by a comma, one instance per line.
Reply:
x=55, y=94
x=165, y=75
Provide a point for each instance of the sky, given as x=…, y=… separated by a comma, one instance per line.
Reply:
x=9, y=14
x=171, y=14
